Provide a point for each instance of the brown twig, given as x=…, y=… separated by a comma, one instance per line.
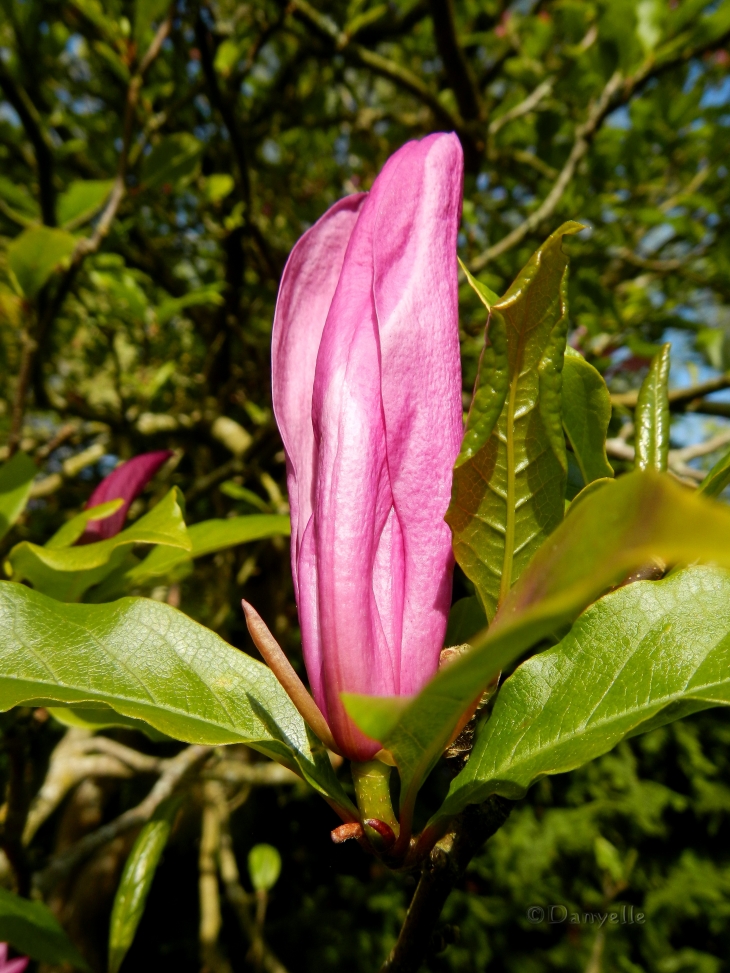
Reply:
x=442, y=870
x=174, y=771
x=677, y=397
x=238, y=899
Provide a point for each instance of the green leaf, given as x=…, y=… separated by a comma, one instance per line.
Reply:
x=17, y=203
x=202, y=296
x=66, y=573
x=466, y=618
x=100, y=717
x=218, y=185
x=635, y=660
x=16, y=479
x=173, y=162
x=206, y=537
x=509, y=478
x=717, y=479
x=70, y=532
x=32, y=929
x=36, y=254
x=485, y=294
x=147, y=12
x=136, y=881
x=151, y=662
x=615, y=529
x=651, y=418
x=264, y=867
x=81, y=201
x=586, y=410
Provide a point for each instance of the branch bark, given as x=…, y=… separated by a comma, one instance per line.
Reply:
x=461, y=79
x=441, y=872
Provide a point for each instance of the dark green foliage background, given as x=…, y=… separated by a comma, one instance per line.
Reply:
x=299, y=104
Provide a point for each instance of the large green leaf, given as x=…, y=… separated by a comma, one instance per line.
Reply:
x=509, y=479
x=586, y=410
x=32, y=929
x=151, y=662
x=616, y=528
x=16, y=479
x=136, y=881
x=633, y=661
x=69, y=533
x=81, y=201
x=651, y=418
x=207, y=537
x=66, y=573
x=36, y=253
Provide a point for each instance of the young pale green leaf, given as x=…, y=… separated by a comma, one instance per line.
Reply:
x=486, y=296
x=69, y=533
x=613, y=530
x=264, y=867
x=651, y=418
x=509, y=478
x=101, y=717
x=586, y=410
x=717, y=479
x=35, y=254
x=32, y=929
x=151, y=662
x=136, y=881
x=16, y=479
x=66, y=573
x=81, y=201
x=207, y=537
x=635, y=660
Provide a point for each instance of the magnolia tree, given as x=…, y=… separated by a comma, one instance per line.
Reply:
x=598, y=613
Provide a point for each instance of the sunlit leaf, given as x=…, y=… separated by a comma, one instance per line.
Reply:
x=509, y=479
x=633, y=661
x=151, y=662
x=82, y=200
x=36, y=254
x=586, y=411
x=651, y=418
x=136, y=881
x=16, y=479
x=264, y=867
x=616, y=528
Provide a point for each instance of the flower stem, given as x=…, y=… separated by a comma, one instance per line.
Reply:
x=372, y=790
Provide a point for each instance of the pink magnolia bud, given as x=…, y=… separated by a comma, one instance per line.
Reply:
x=367, y=395
x=126, y=482
x=13, y=965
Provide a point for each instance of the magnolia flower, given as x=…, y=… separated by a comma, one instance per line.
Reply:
x=126, y=482
x=367, y=395
x=13, y=965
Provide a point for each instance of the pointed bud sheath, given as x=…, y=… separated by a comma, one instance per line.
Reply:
x=367, y=395
x=126, y=482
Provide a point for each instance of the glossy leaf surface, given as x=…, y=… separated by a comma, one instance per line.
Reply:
x=651, y=417
x=586, y=410
x=509, y=478
x=151, y=662
x=635, y=660
x=66, y=573
x=717, y=479
x=16, y=478
x=136, y=881
x=614, y=529
x=32, y=929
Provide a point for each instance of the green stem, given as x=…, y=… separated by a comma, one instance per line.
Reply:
x=372, y=791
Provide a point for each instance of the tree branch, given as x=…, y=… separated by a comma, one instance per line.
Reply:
x=618, y=91
x=523, y=108
x=678, y=397
x=458, y=71
x=442, y=870
x=42, y=146
x=172, y=774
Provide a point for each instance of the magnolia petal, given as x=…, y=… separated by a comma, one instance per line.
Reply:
x=126, y=482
